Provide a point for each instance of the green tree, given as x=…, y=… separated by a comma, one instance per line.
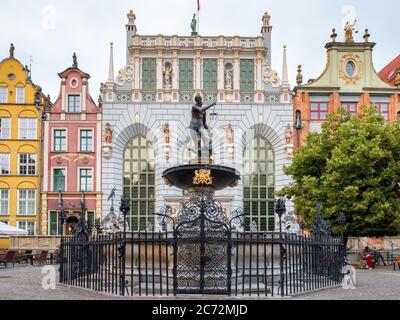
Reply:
x=352, y=166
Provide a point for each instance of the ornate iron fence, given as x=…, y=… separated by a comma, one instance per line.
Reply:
x=168, y=263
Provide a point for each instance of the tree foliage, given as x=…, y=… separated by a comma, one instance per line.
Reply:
x=352, y=166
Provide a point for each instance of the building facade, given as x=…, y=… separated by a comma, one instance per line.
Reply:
x=21, y=109
x=71, y=155
x=349, y=81
x=147, y=110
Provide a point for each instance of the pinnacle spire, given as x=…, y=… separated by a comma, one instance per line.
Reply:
x=111, y=65
x=285, y=74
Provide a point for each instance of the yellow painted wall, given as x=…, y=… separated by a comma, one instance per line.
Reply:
x=14, y=146
x=5, y=243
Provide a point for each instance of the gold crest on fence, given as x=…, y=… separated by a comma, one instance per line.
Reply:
x=202, y=176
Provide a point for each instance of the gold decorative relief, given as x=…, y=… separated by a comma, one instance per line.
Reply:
x=202, y=176
x=354, y=59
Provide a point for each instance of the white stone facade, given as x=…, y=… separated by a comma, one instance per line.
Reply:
x=131, y=112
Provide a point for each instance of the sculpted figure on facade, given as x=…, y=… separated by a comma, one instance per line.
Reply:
x=108, y=136
x=166, y=133
x=229, y=135
x=228, y=77
x=289, y=135
x=270, y=75
x=348, y=29
x=126, y=74
x=397, y=79
x=167, y=76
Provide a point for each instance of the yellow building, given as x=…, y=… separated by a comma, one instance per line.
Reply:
x=20, y=146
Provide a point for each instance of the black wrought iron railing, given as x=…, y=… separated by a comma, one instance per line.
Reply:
x=168, y=263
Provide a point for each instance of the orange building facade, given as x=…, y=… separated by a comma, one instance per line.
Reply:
x=349, y=81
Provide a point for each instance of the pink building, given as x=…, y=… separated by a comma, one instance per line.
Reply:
x=71, y=155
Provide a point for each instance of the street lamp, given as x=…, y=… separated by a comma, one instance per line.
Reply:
x=125, y=208
x=61, y=214
x=280, y=209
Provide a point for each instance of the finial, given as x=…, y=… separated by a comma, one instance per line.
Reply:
x=75, y=61
x=12, y=50
x=299, y=78
x=285, y=46
x=334, y=35
x=366, y=35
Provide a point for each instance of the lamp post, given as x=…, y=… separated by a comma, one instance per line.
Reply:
x=280, y=208
x=342, y=222
x=61, y=214
x=125, y=208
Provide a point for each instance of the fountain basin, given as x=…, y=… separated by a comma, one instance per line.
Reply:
x=183, y=176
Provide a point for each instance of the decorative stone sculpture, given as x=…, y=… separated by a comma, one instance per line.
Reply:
x=348, y=29
x=228, y=77
x=194, y=25
x=269, y=75
x=289, y=147
x=167, y=140
x=299, y=78
x=126, y=74
x=108, y=134
x=74, y=61
x=167, y=76
x=229, y=135
x=397, y=79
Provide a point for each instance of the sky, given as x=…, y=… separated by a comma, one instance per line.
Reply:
x=50, y=31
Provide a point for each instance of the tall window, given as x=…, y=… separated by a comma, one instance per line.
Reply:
x=247, y=75
x=210, y=74
x=350, y=107
x=27, y=202
x=319, y=111
x=86, y=140
x=4, y=164
x=259, y=185
x=86, y=180
x=3, y=95
x=383, y=109
x=5, y=128
x=54, y=225
x=20, y=95
x=149, y=74
x=186, y=74
x=74, y=103
x=60, y=141
x=27, y=128
x=4, y=202
x=27, y=164
x=139, y=182
x=59, y=180
x=28, y=226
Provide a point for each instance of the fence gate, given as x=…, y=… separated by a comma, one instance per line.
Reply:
x=202, y=251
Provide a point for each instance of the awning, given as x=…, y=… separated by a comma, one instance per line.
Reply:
x=7, y=230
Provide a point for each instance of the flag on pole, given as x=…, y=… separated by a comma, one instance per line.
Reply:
x=198, y=5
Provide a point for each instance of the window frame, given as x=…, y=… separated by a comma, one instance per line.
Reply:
x=9, y=164
x=27, y=129
x=186, y=68
x=247, y=74
x=26, y=222
x=2, y=137
x=149, y=75
x=80, y=169
x=17, y=91
x=319, y=111
x=346, y=106
x=4, y=93
x=68, y=103
x=4, y=199
x=53, y=146
x=28, y=166
x=53, y=178
x=91, y=138
x=210, y=74
x=385, y=114
x=26, y=199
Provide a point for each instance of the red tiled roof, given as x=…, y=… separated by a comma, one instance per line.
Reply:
x=388, y=73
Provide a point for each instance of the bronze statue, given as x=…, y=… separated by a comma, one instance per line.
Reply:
x=75, y=61
x=12, y=50
x=198, y=125
x=194, y=25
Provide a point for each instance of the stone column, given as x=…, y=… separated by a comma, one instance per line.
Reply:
x=159, y=77
x=197, y=72
x=221, y=77
x=236, y=76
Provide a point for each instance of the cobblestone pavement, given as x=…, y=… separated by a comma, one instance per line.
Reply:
x=25, y=283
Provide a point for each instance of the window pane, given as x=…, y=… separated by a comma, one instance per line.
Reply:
x=4, y=128
x=4, y=164
x=20, y=95
x=27, y=128
x=74, y=103
x=3, y=94
x=4, y=201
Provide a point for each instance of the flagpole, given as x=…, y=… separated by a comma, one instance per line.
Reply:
x=198, y=16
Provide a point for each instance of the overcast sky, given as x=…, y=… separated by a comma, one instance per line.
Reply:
x=51, y=30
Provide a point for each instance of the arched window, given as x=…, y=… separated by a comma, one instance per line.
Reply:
x=259, y=184
x=139, y=182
